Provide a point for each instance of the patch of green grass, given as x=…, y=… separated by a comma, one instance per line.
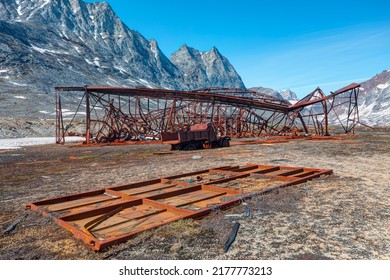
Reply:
x=184, y=227
x=88, y=156
x=144, y=154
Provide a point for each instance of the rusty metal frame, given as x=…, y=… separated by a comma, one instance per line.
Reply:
x=119, y=114
x=112, y=215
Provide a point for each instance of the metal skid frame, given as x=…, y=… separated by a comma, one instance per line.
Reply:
x=112, y=215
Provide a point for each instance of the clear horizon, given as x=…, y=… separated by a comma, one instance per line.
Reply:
x=274, y=44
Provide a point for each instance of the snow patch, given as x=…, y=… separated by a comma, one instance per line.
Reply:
x=154, y=51
x=366, y=110
x=88, y=61
x=19, y=9
x=16, y=143
x=77, y=49
x=40, y=7
x=17, y=84
x=59, y=61
x=3, y=70
x=67, y=112
x=121, y=69
x=382, y=86
x=115, y=81
x=104, y=35
x=146, y=83
x=63, y=32
x=35, y=48
x=20, y=97
x=96, y=61
x=44, y=4
x=72, y=113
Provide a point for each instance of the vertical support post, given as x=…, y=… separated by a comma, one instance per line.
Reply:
x=303, y=122
x=325, y=117
x=88, y=118
x=60, y=137
x=170, y=116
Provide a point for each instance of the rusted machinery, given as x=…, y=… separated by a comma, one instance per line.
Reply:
x=120, y=114
x=199, y=136
x=112, y=215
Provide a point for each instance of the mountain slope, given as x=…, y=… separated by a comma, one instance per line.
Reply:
x=289, y=95
x=49, y=43
x=374, y=100
x=78, y=43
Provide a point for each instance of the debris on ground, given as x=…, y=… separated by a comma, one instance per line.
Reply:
x=232, y=237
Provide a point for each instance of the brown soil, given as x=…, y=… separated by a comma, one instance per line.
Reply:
x=342, y=216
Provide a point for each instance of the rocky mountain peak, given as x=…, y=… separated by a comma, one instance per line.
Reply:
x=289, y=95
x=49, y=43
x=267, y=91
x=374, y=100
x=380, y=80
x=206, y=69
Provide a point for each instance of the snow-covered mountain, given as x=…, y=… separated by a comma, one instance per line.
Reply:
x=206, y=69
x=374, y=100
x=48, y=43
x=267, y=91
x=287, y=94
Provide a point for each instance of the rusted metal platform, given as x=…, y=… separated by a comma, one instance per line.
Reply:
x=112, y=215
x=285, y=139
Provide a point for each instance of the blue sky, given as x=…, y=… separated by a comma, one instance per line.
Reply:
x=278, y=44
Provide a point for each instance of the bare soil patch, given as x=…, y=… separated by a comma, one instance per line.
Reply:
x=342, y=216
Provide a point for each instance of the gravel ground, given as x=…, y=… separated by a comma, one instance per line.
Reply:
x=342, y=216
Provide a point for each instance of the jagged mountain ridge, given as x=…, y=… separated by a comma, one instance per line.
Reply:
x=287, y=94
x=77, y=43
x=47, y=43
x=374, y=100
x=200, y=68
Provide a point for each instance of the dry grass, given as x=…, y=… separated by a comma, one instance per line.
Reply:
x=342, y=216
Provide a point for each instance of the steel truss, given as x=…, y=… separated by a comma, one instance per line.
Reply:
x=121, y=114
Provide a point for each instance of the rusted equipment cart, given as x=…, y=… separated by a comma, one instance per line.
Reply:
x=199, y=136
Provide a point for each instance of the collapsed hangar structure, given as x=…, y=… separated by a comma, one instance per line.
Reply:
x=121, y=114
